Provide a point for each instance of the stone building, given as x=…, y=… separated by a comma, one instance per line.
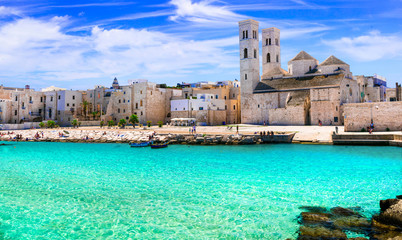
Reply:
x=209, y=103
x=146, y=100
x=394, y=94
x=307, y=93
x=372, y=88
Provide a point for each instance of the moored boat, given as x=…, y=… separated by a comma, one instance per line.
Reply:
x=159, y=145
x=142, y=144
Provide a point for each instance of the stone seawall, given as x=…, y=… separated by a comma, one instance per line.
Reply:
x=175, y=139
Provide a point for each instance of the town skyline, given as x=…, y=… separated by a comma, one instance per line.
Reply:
x=76, y=46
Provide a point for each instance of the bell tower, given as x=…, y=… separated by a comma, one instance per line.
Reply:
x=271, y=49
x=249, y=56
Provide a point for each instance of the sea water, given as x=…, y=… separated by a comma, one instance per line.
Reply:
x=112, y=191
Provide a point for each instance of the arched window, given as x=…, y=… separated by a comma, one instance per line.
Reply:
x=245, y=76
x=277, y=58
x=276, y=42
x=245, y=53
x=309, y=68
x=246, y=33
x=268, y=57
x=255, y=53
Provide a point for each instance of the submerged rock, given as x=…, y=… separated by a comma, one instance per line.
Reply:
x=320, y=233
x=344, y=212
x=310, y=217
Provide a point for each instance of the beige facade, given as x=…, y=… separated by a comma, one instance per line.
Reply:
x=146, y=100
x=384, y=115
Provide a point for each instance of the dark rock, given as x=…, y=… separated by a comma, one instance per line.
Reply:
x=392, y=216
x=385, y=204
x=391, y=235
x=358, y=238
x=310, y=217
x=353, y=223
x=320, y=233
x=399, y=197
x=344, y=212
x=381, y=227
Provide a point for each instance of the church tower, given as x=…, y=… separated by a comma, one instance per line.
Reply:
x=249, y=68
x=271, y=50
x=249, y=56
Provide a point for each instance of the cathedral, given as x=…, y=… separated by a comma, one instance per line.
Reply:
x=307, y=93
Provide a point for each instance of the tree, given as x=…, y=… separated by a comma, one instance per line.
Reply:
x=94, y=114
x=42, y=124
x=110, y=123
x=102, y=123
x=74, y=123
x=85, y=105
x=133, y=120
x=149, y=123
x=51, y=124
x=122, y=123
x=160, y=124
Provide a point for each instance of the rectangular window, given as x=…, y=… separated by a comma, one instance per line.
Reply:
x=59, y=97
x=40, y=111
x=201, y=108
x=234, y=107
x=118, y=110
x=41, y=99
x=16, y=98
x=68, y=104
x=335, y=119
x=51, y=99
x=216, y=96
x=16, y=112
x=73, y=97
x=245, y=76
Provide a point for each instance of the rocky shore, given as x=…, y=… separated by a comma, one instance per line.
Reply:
x=319, y=223
x=106, y=136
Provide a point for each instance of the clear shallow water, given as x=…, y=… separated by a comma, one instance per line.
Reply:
x=87, y=191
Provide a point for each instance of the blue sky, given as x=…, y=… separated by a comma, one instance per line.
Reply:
x=79, y=44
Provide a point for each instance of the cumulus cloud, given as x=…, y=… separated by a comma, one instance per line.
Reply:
x=38, y=50
x=373, y=46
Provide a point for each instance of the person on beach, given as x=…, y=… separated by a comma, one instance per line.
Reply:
x=237, y=129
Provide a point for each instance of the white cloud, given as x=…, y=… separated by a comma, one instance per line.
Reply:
x=8, y=11
x=202, y=11
x=373, y=46
x=39, y=50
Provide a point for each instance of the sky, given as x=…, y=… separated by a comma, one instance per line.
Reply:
x=79, y=44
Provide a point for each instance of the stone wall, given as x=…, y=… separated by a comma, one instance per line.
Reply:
x=291, y=115
x=383, y=114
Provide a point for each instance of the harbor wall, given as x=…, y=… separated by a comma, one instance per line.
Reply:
x=384, y=115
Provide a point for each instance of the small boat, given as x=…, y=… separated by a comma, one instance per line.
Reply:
x=142, y=144
x=159, y=145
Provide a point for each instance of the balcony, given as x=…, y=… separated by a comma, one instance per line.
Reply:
x=22, y=107
x=31, y=102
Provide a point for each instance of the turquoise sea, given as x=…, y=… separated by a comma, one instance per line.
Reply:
x=112, y=191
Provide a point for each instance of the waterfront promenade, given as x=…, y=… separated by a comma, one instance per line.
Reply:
x=313, y=134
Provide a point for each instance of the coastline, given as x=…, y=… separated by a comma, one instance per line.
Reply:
x=205, y=135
